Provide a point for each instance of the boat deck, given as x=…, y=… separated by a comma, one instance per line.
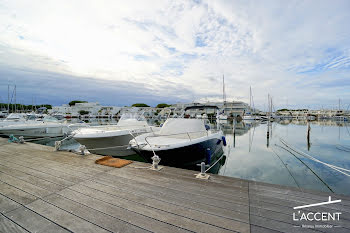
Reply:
x=46, y=191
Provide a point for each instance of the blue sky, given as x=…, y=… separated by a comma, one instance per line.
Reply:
x=122, y=52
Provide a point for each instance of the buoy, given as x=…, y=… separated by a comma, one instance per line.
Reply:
x=208, y=158
x=223, y=140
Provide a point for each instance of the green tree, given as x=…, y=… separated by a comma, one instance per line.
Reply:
x=163, y=105
x=73, y=102
x=139, y=105
x=83, y=112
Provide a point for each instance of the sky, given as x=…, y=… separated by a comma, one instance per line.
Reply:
x=123, y=52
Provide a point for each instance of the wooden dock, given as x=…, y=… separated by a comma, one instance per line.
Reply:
x=46, y=191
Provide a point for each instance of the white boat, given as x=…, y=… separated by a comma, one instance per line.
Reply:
x=249, y=117
x=3, y=114
x=222, y=117
x=14, y=118
x=47, y=127
x=180, y=143
x=113, y=139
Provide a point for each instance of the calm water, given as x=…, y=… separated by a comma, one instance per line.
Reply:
x=249, y=155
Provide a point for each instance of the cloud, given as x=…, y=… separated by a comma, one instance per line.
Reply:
x=181, y=49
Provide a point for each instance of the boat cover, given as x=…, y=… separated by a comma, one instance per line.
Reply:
x=182, y=125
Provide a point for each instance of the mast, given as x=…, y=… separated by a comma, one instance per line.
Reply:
x=223, y=90
x=15, y=99
x=8, y=98
x=250, y=98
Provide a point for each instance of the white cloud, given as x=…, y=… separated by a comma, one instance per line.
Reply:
x=289, y=49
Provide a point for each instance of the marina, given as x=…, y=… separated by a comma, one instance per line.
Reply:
x=174, y=116
x=42, y=190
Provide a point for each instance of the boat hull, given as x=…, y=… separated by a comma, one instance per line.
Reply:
x=114, y=146
x=187, y=156
x=35, y=132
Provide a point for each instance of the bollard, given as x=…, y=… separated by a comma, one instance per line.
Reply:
x=155, y=163
x=202, y=174
x=202, y=168
x=57, y=145
x=82, y=149
x=21, y=139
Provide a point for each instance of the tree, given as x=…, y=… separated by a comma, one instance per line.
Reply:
x=83, y=112
x=139, y=105
x=73, y=102
x=163, y=105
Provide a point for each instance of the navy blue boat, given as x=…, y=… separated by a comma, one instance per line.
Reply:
x=180, y=143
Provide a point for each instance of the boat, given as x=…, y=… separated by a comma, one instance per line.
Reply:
x=15, y=118
x=181, y=142
x=3, y=114
x=46, y=127
x=113, y=140
x=248, y=116
x=220, y=116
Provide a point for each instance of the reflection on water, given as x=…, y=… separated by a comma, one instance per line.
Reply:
x=252, y=155
x=254, y=151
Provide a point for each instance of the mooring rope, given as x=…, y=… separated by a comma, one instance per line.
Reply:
x=339, y=169
x=285, y=165
x=307, y=167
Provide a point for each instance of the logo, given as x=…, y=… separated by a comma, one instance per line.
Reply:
x=320, y=219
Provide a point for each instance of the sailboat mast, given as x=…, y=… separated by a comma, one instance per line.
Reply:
x=223, y=90
x=250, y=98
x=8, y=98
x=15, y=99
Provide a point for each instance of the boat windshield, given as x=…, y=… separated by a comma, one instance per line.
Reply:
x=15, y=117
x=50, y=119
x=132, y=119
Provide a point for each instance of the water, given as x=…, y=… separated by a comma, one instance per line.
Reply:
x=249, y=155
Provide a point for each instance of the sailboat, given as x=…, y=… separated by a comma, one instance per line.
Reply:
x=222, y=116
x=249, y=115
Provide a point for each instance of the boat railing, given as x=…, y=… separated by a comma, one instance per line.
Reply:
x=188, y=134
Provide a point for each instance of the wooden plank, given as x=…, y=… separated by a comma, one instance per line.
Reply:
x=64, y=218
x=54, y=160
x=55, y=167
x=42, y=183
x=189, y=182
x=37, y=173
x=24, y=186
x=232, y=223
x=16, y=194
x=98, y=212
x=7, y=204
x=172, y=200
x=233, y=204
x=210, y=191
x=152, y=213
x=33, y=222
x=45, y=169
x=8, y=226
